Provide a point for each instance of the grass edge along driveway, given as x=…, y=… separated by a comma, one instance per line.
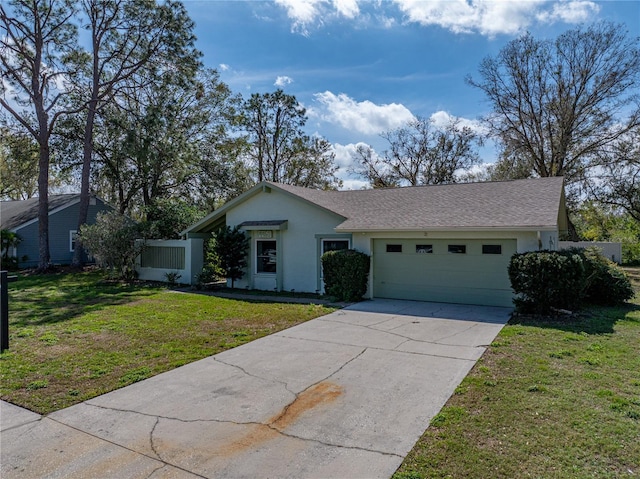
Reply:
x=75, y=336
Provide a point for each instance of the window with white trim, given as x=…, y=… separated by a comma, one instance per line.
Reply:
x=73, y=235
x=329, y=244
x=266, y=257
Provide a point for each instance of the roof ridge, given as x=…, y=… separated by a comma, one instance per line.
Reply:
x=405, y=187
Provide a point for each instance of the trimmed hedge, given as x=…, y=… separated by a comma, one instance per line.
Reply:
x=544, y=280
x=606, y=282
x=345, y=274
x=547, y=279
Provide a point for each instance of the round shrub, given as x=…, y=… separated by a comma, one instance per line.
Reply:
x=345, y=274
x=543, y=280
x=606, y=282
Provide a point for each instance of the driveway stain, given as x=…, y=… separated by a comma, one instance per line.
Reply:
x=321, y=393
x=317, y=395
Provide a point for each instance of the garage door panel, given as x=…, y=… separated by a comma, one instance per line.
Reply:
x=473, y=277
x=434, y=277
x=451, y=294
x=417, y=265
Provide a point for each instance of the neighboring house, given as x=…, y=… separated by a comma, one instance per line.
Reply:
x=22, y=218
x=447, y=243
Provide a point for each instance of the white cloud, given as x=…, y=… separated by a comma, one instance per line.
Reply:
x=364, y=117
x=347, y=8
x=487, y=17
x=307, y=12
x=354, y=184
x=344, y=153
x=492, y=17
x=224, y=67
x=301, y=11
x=282, y=81
x=344, y=161
x=443, y=118
x=570, y=12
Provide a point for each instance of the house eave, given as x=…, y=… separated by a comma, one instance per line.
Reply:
x=450, y=228
x=54, y=211
x=273, y=225
x=260, y=187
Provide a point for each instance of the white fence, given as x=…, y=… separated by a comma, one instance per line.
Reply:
x=613, y=251
x=161, y=258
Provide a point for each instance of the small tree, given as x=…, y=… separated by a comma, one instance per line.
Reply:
x=231, y=246
x=211, y=270
x=112, y=242
x=9, y=240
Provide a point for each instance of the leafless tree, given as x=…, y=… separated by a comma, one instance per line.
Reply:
x=368, y=164
x=619, y=179
x=558, y=103
x=421, y=153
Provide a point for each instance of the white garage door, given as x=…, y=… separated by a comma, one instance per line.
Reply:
x=448, y=271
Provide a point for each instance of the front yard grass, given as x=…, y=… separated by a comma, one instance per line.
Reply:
x=75, y=336
x=549, y=399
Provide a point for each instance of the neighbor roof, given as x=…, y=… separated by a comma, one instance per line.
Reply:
x=519, y=204
x=15, y=213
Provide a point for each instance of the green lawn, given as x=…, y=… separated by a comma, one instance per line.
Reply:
x=75, y=336
x=549, y=399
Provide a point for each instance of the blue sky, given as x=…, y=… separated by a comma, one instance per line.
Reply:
x=364, y=67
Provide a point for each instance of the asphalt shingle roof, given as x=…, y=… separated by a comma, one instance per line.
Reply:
x=16, y=213
x=526, y=203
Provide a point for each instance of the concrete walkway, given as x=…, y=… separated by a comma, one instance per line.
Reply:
x=342, y=396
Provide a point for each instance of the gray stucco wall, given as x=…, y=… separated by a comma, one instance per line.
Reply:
x=60, y=224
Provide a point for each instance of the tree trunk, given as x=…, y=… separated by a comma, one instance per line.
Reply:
x=572, y=232
x=43, y=208
x=79, y=256
x=44, y=261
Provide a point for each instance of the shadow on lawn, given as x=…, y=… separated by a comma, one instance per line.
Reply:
x=52, y=298
x=594, y=320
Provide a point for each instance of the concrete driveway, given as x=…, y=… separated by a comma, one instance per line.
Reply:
x=342, y=396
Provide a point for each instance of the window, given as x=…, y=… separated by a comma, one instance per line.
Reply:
x=424, y=248
x=266, y=256
x=394, y=248
x=73, y=235
x=334, y=245
x=457, y=248
x=491, y=249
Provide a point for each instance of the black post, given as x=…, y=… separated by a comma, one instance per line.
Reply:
x=4, y=311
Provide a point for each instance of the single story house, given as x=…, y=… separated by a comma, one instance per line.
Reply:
x=21, y=217
x=445, y=243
